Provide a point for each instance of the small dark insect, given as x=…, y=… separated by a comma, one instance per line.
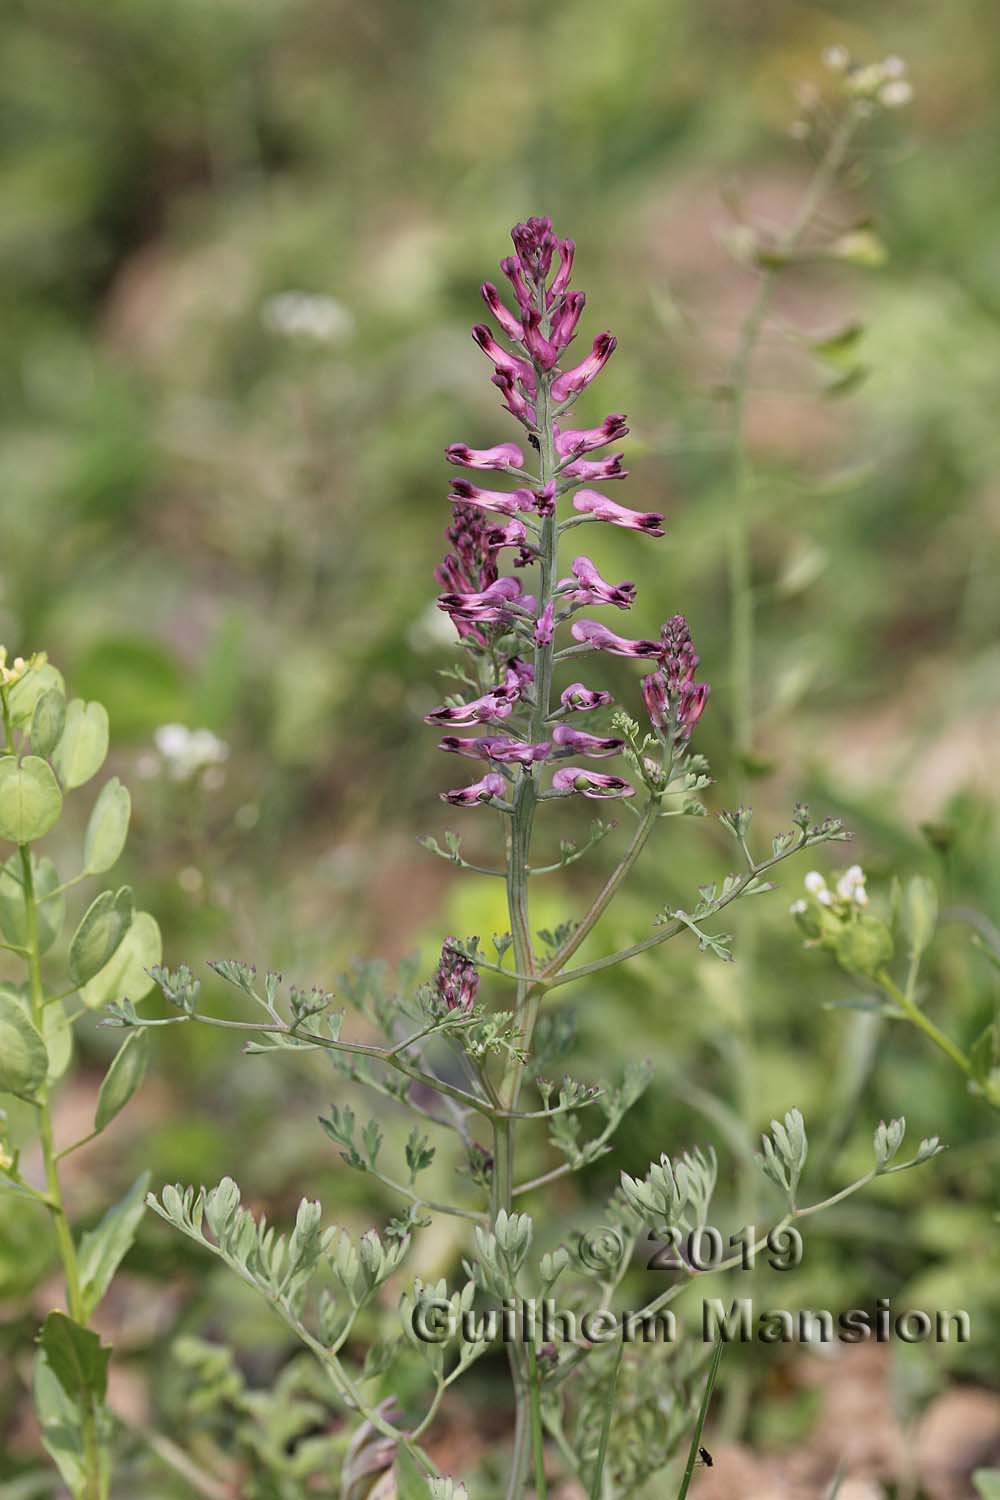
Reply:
x=534, y=442
x=706, y=1457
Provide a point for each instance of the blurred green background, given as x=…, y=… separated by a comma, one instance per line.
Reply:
x=240, y=252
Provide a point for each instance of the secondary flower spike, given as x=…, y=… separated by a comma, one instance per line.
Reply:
x=457, y=978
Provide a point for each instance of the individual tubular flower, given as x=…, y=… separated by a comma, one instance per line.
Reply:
x=586, y=470
x=505, y=502
x=457, y=979
x=565, y=320
x=566, y=251
x=514, y=534
x=492, y=785
x=544, y=351
x=495, y=747
x=497, y=604
x=502, y=456
x=507, y=364
x=571, y=382
x=498, y=703
x=580, y=699
x=515, y=403
x=512, y=752
x=591, y=784
x=569, y=741
x=586, y=439
x=545, y=625
x=591, y=503
x=592, y=633
x=588, y=587
x=510, y=325
x=511, y=268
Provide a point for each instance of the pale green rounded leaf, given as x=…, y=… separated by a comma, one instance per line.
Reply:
x=84, y=744
x=47, y=721
x=127, y=976
x=24, y=1061
x=25, y=694
x=101, y=929
x=107, y=828
x=57, y=1032
x=127, y=1070
x=51, y=909
x=30, y=799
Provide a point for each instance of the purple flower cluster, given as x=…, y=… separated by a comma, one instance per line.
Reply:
x=511, y=634
x=456, y=982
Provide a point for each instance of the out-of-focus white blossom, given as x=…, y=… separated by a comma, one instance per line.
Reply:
x=308, y=315
x=184, y=753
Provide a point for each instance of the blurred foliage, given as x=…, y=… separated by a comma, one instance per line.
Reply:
x=220, y=514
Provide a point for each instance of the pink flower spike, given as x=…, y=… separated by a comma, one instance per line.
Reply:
x=510, y=364
x=492, y=785
x=545, y=625
x=590, y=502
x=566, y=252
x=502, y=456
x=513, y=400
x=586, y=439
x=591, y=633
x=589, y=469
x=510, y=325
x=588, y=587
x=506, y=502
x=577, y=379
x=565, y=321
x=580, y=699
x=590, y=784
x=576, y=742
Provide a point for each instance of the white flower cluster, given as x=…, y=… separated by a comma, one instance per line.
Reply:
x=12, y=674
x=185, y=753
x=850, y=890
x=883, y=83
x=308, y=315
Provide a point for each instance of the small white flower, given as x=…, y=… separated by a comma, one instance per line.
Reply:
x=188, y=751
x=895, y=94
x=852, y=880
x=814, y=883
x=836, y=59
x=824, y=897
x=860, y=896
x=893, y=67
x=798, y=907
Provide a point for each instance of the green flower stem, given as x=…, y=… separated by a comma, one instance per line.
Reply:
x=607, y=893
x=911, y=1010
